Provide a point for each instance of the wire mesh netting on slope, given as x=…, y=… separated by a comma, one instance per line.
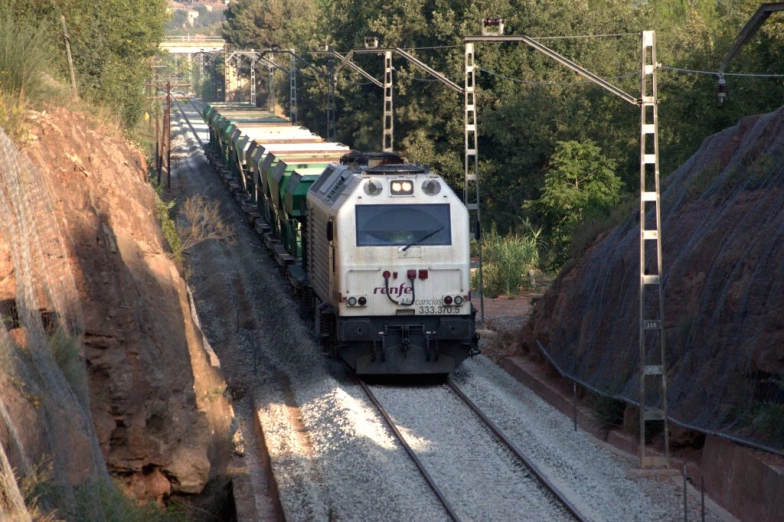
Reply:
x=47, y=439
x=723, y=247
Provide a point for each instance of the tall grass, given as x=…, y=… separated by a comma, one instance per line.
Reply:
x=25, y=57
x=508, y=259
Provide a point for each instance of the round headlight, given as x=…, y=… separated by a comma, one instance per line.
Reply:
x=373, y=187
x=458, y=300
x=448, y=299
x=406, y=186
x=396, y=186
x=431, y=187
x=352, y=301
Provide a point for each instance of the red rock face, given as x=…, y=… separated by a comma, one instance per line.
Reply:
x=152, y=391
x=723, y=249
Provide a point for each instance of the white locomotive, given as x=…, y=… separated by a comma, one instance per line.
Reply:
x=387, y=256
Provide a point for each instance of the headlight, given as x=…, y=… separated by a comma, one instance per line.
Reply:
x=402, y=187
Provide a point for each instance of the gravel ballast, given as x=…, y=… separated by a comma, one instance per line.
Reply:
x=478, y=475
x=587, y=471
x=332, y=454
x=341, y=462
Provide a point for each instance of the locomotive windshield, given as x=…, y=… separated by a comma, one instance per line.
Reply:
x=403, y=225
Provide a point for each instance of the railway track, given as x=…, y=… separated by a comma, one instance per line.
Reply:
x=517, y=453
x=487, y=423
x=411, y=453
x=187, y=120
x=492, y=428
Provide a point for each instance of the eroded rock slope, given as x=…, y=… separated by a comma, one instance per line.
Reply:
x=157, y=403
x=723, y=228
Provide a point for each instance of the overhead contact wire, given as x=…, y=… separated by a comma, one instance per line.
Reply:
x=584, y=36
x=717, y=73
x=527, y=82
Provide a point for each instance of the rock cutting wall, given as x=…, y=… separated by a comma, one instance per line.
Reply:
x=723, y=228
x=158, y=405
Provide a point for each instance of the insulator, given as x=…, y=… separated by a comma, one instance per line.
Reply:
x=722, y=90
x=494, y=21
x=493, y=26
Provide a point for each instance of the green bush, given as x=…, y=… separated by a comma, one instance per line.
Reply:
x=580, y=186
x=770, y=422
x=585, y=233
x=164, y=211
x=111, y=43
x=607, y=412
x=769, y=418
x=106, y=498
x=66, y=352
x=507, y=260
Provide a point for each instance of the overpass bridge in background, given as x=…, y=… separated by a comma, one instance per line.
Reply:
x=192, y=44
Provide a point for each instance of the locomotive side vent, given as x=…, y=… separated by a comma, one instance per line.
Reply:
x=338, y=186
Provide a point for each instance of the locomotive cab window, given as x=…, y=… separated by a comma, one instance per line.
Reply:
x=403, y=225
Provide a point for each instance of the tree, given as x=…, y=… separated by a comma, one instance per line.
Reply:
x=111, y=42
x=260, y=24
x=527, y=103
x=581, y=183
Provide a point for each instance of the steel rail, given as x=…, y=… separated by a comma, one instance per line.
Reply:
x=516, y=451
x=411, y=453
x=188, y=121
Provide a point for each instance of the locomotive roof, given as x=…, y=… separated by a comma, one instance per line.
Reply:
x=359, y=158
x=399, y=168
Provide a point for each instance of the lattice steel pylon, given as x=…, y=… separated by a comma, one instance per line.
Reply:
x=293, y=88
x=190, y=72
x=651, y=326
x=471, y=197
x=271, y=89
x=388, y=138
x=253, y=82
x=226, y=76
x=331, y=131
x=201, y=66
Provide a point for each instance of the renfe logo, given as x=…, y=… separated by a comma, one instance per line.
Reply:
x=395, y=290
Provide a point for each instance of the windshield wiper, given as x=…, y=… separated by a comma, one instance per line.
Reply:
x=434, y=232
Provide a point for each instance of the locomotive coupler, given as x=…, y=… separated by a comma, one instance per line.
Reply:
x=379, y=353
x=431, y=350
x=404, y=341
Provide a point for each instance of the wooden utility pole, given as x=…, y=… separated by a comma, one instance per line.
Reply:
x=158, y=144
x=168, y=134
x=74, y=88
